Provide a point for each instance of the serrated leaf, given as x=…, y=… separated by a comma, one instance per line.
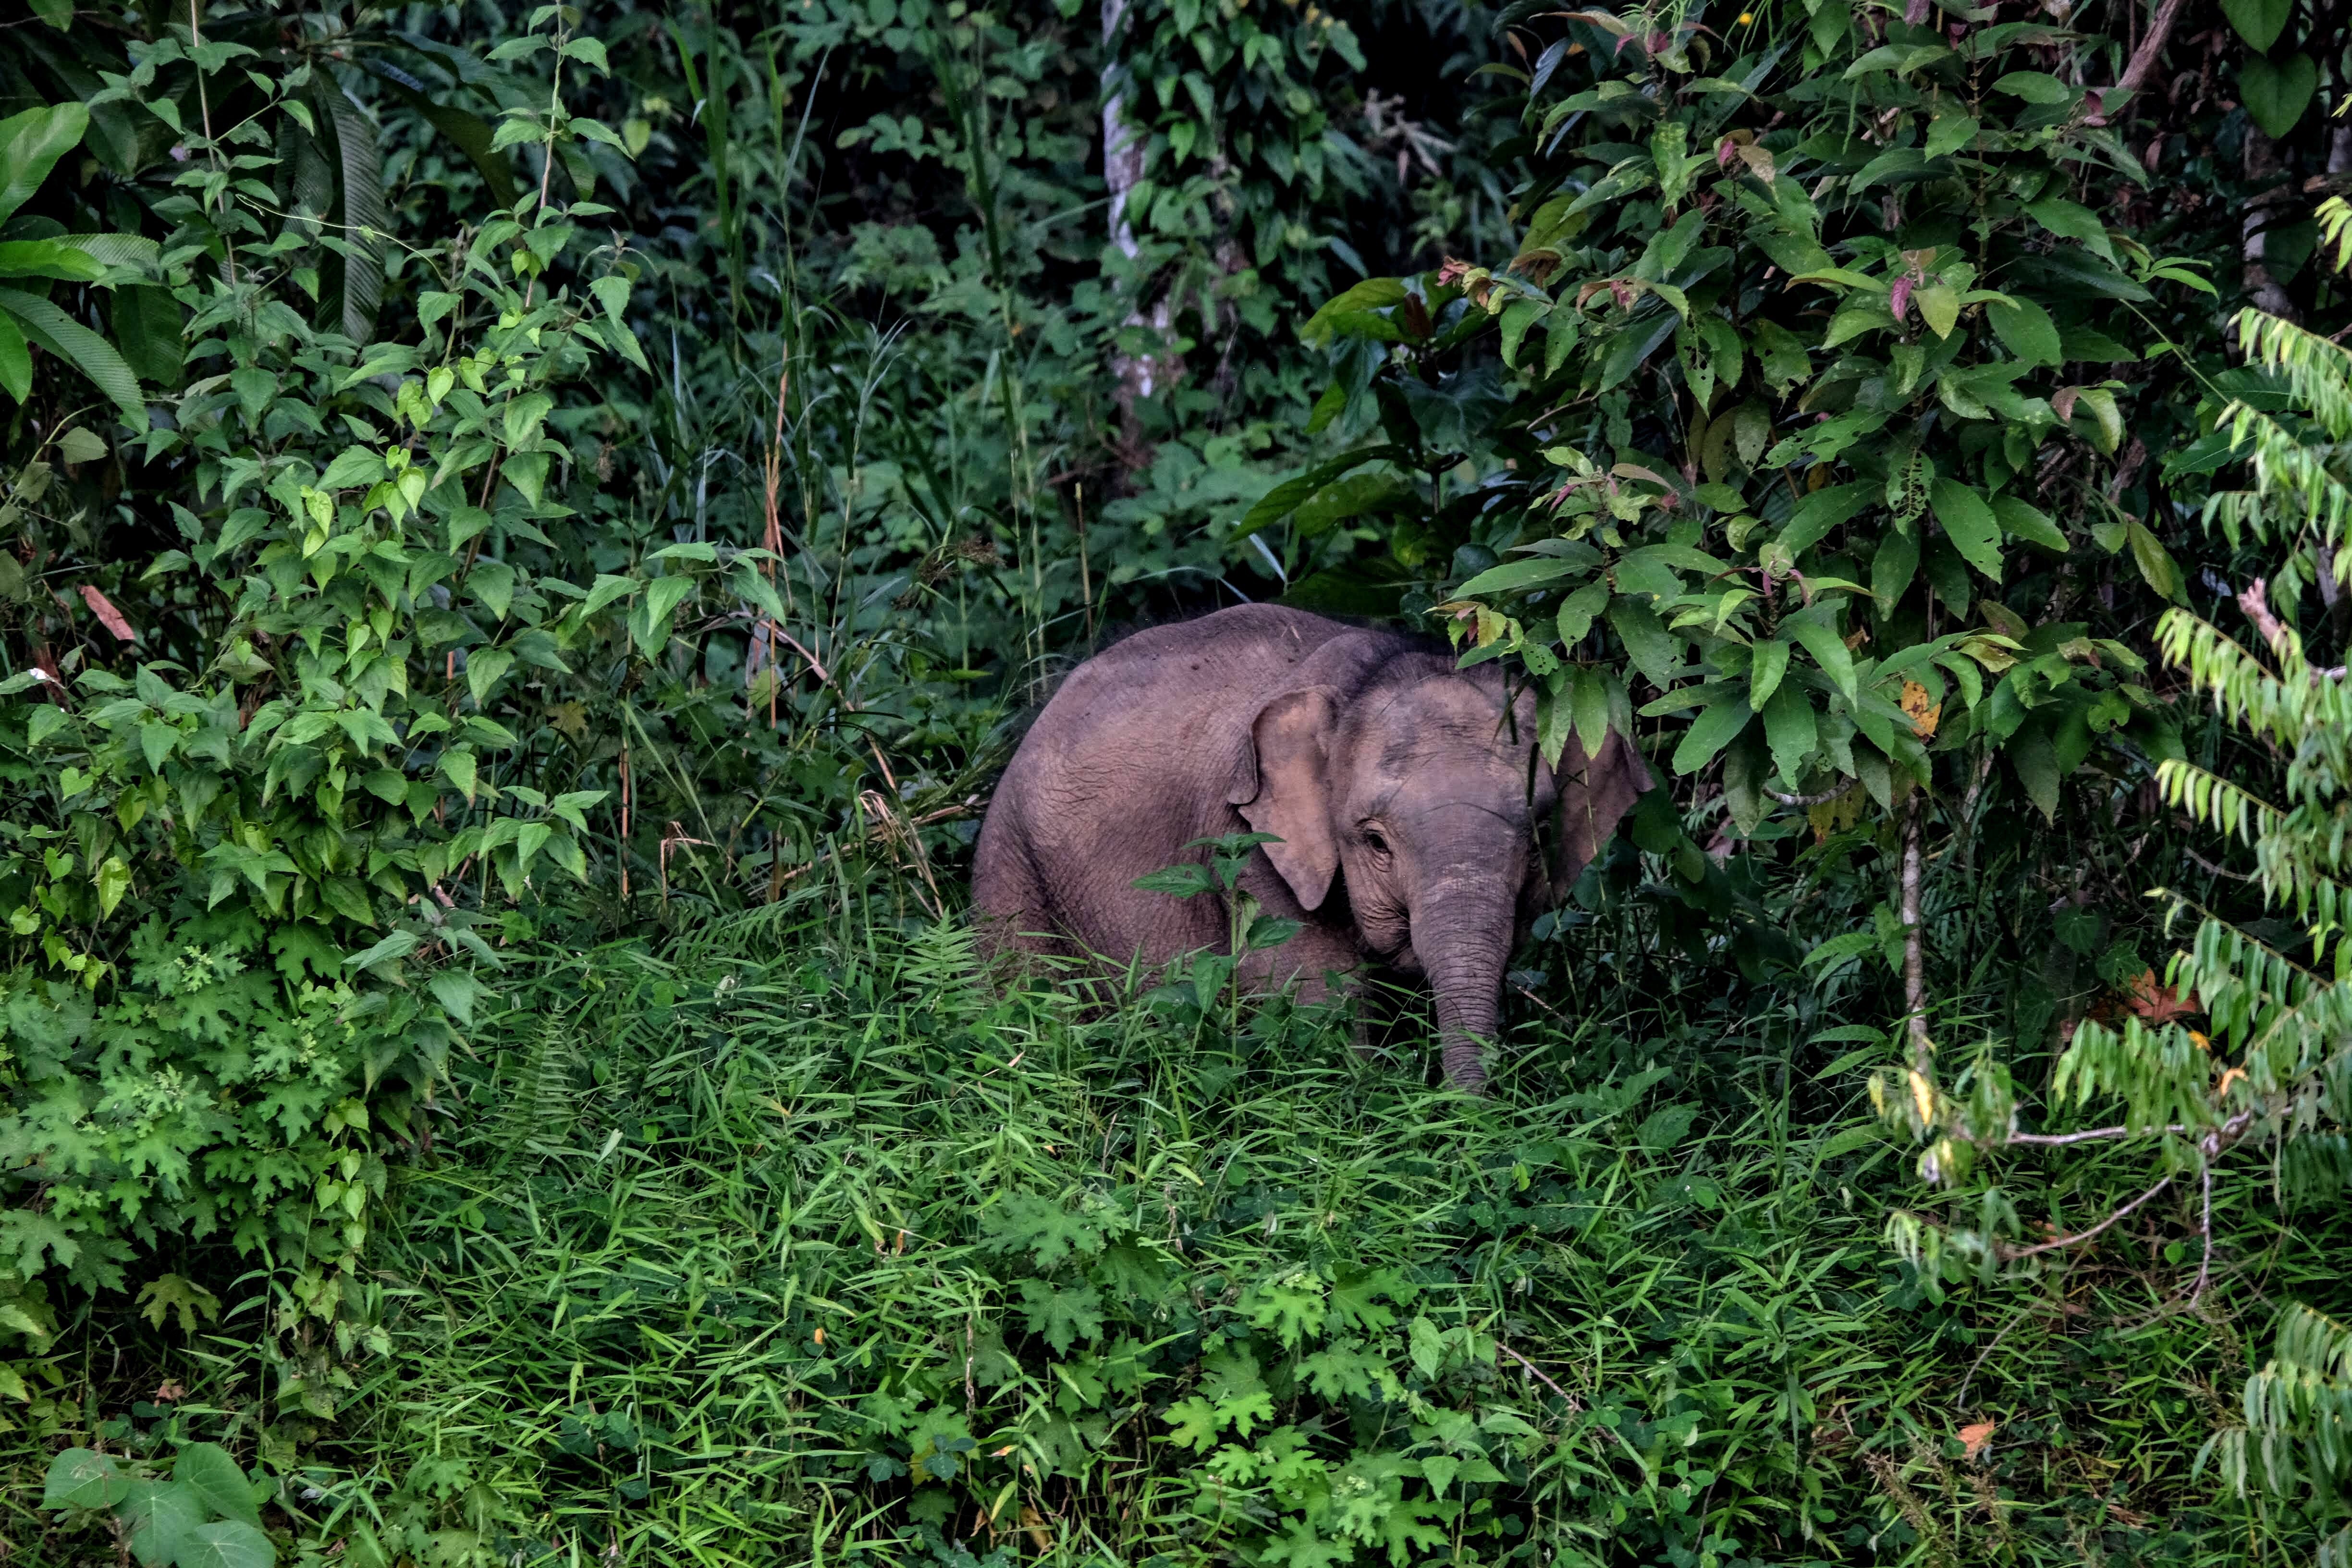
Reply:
x=80, y=347
x=457, y=991
x=1179, y=881
x=365, y=230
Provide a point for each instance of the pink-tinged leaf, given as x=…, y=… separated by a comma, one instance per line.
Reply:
x=1725, y=150
x=1898, y=299
x=108, y=615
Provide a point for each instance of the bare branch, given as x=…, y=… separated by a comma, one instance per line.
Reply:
x=1573, y=1403
x=1823, y=798
x=2151, y=48
x=2012, y=1253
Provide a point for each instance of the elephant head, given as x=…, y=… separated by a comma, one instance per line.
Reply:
x=1417, y=787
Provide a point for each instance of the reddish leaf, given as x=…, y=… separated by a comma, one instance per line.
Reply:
x=108, y=615
x=1974, y=1437
x=1898, y=299
x=2156, y=1005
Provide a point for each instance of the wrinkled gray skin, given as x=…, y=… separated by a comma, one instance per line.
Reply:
x=1404, y=796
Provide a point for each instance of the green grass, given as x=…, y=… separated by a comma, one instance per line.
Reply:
x=800, y=1244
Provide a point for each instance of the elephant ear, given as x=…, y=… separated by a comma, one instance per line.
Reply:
x=1595, y=793
x=1282, y=785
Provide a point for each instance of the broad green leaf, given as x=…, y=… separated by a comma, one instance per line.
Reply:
x=160, y=1515
x=352, y=468
x=2259, y=22
x=1517, y=317
x=1711, y=731
x=1514, y=575
x=1371, y=294
x=1588, y=699
x=457, y=991
x=1950, y=131
x=2022, y=520
x=80, y=1477
x=1822, y=510
x=1789, y=729
x=1970, y=523
x=76, y=445
x=1654, y=651
x=662, y=596
x=48, y=258
x=1892, y=568
x=16, y=360
x=2106, y=419
x=217, y=1481
x=2026, y=330
x=1577, y=610
x=30, y=145
x=1939, y=308
x=2036, y=761
x=2034, y=87
x=529, y=839
x=1829, y=650
x=2155, y=564
x=76, y=344
x=1768, y=662
x=485, y=665
x=113, y=879
x=230, y=1543
x=2068, y=220
x=2277, y=91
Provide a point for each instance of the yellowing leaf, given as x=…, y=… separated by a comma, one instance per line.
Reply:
x=1922, y=713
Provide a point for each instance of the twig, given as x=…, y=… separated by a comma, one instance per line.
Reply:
x=2256, y=603
x=212, y=148
x=2219, y=870
x=2205, y=1229
x=1823, y=798
x=1574, y=1404
x=1961, y=1400
x=2048, y=1139
x=2013, y=1253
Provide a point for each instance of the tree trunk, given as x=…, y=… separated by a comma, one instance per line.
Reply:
x=1138, y=376
x=2264, y=163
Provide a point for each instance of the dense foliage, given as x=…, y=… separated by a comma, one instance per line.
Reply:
x=486, y=487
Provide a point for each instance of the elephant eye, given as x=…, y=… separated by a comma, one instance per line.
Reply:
x=1374, y=842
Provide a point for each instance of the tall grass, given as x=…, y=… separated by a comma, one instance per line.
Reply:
x=799, y=1243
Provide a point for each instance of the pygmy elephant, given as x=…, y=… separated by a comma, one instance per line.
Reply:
x=1403, y=793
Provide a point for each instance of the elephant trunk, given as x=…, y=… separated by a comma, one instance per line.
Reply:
x=1462, y=930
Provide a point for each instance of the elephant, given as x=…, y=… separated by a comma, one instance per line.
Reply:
x=1401, y=792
